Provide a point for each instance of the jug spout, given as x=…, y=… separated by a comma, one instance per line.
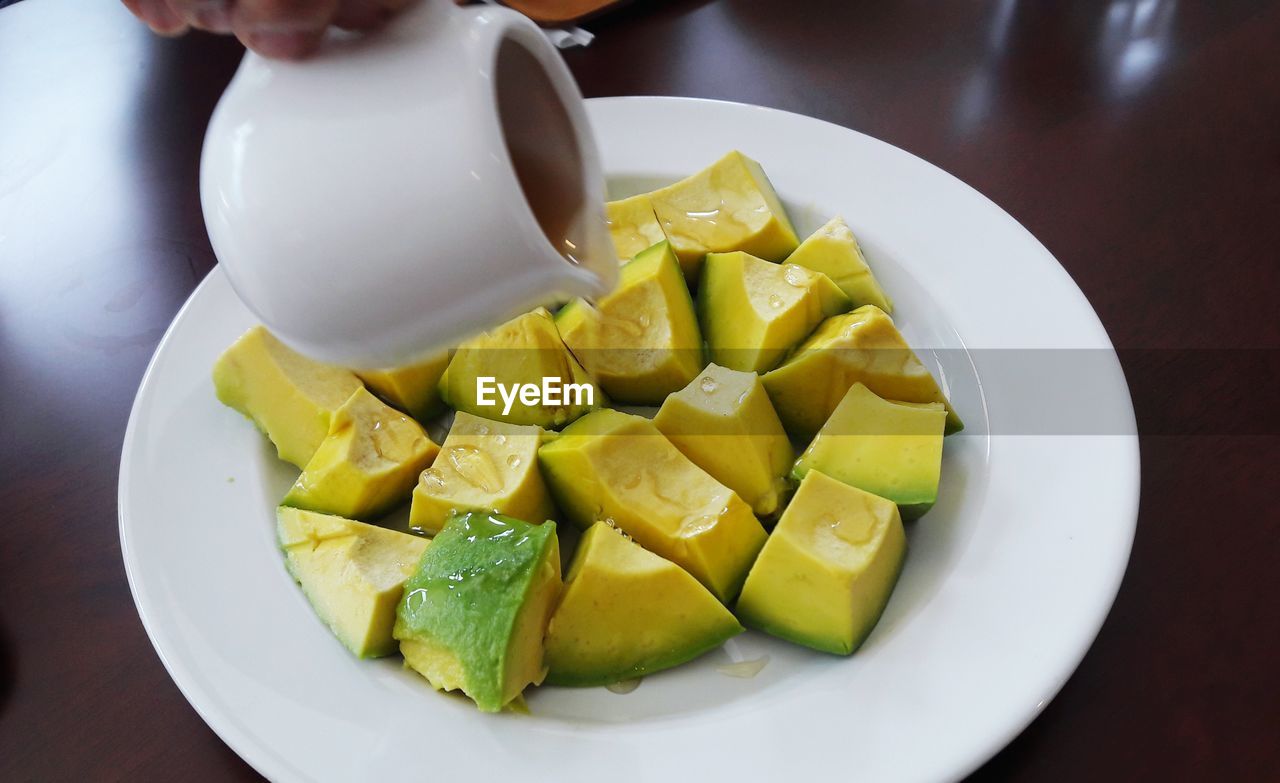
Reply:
x=398, y=193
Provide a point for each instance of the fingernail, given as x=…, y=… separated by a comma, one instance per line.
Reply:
x=161, y=19
x=214, y=16
x=281, y=43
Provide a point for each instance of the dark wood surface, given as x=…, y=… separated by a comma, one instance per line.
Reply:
x=1140, y=141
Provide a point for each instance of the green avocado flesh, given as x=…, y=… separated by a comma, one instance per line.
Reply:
x=474, y=615
x=613, y=466
x=525, y=350
x=834, y=251
x=352, y=573
x=891, y=449
x=829, y=568
x=858, y=347
x=626, y=612
x=754, y=311
x=286, y=395
x=367, y=464
x=724, y=423
x=641, y=342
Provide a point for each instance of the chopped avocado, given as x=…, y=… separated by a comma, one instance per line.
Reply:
x=632, y=225
x=352, y=573
x=525, y=350
x=474, y=615
x=834, y=251
x=613, y=466
x=891, y=449
x=367, y=464
x=640, y=342
x=288, y=396
x=858, y=347
x=826, y=574
x=483, y=466
x=727, y=206
x=414, y=389
x=626, y=612
x=754, y=311
x=724, y=423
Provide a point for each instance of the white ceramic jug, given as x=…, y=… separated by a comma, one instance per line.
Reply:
x=401, y=191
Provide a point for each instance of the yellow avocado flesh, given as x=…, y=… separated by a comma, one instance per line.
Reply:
x=352, y=573
x=890, y=449
x=414, y=389
x=724, y=423
x=641, y=342
x=368, y=463
x=858, y=347
x=288, y=396
x=483, y=465
x=826, y=574
x=753, y=311
x=626, y=612
x=524, y=350
x=728, y=206
x=834, y=251
x=632, y=225
x=474, y=614
x=617, y=467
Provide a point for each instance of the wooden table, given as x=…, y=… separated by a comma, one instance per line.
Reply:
x=1140, y=141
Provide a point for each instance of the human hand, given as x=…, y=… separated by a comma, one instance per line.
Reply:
x=286, y=29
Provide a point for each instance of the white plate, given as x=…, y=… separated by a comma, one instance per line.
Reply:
x=1007, y=580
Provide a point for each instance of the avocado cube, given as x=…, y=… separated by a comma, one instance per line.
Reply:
x=474, y=615
x=754, y=311
x=525, y=350
x=287, y=396
x=632, y=225
x=352, y=573
x=625, y=612
x=891, y=449
x=483, y=465
x=834, y=251
x=728, y=206
x=724, y=423
x=617, y=467
x=414, y=388
x=826, y=574
x=367, y=464
x=858, y=347
x=641, y=342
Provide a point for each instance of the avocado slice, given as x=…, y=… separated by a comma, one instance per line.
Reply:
x=414, y=389
x=367, y=464
x=352, y=573
x=632, y=225
x=728, y=206
x=858, y=347
x=474, y=615
x=834, y=251
x=617, y=467
x=524, y=350
x=483, y=465
x=626, y=612
x=287, y=396
x=891, y=449
x=754, y=311
x=724, y=423
x=640, y=342
x=826, y=574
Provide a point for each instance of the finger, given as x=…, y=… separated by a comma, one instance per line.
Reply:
x=367, y=14
x=158, y=16
x=211, y=15
x=283, y=29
